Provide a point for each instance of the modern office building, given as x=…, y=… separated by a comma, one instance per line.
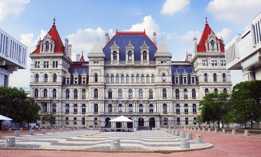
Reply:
x=244, y=51
x=131, y=75
x=12, y=57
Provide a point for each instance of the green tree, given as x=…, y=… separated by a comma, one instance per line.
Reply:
x=246, y=99
x=49, y=118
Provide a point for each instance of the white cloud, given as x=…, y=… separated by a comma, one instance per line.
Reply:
x=235, y=11
x=148, y=24
x=174, y=6
x=224, y=34
x=12, y=7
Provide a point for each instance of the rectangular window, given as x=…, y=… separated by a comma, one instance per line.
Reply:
x=212, y=62
x=46, y=64
x=55, y=64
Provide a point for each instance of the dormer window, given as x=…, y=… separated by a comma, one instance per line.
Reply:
x=47, y=46
x=114, y=52
x=144, y=52
x=114, y=56
x=212, y=45
x=144, y=56
x=129, y=56
x=129, y=52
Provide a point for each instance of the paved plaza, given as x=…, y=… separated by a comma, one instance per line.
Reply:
x=223, y=144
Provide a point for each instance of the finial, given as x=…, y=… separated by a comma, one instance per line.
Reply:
x=206, y=20
x=54, y=21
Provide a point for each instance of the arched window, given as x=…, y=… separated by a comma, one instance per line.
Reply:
x=120, y=108
x=194, y=108
x=95, y=77
x=45, y=78
x=225, y=90
x=140, y=108
x=185, y=94
x=150, y=94
x=177, y=109
x=36, y=93
x=163, y=77
x=212, y=45
x=114, y=56
x=54, y=78
x=178, y=121
x=142, y=78
x=130, y=94
x=109, y=94
x=67, y=94
x=83, y=94
x=83, y=108
x=206, y=91
x=165, y=109
x=224, y=77
x=164, y=93
x=74, y=120
x=206, y=77
x=53, y=108
x=120, y=94
x=107, y=78
x=215, y=77
x=67, y=109
x=54, y=93
x=186, y=121
x=75, y=110
x=148, y=78
x=132, y=78
x=130, y=108
x=194, y=120
x=186, y=108
x=122, y=78
x=95, y=93
x=112, y=78
x=151, y=108
x=216, y=90
x=129, y=56
x=66, y=120
x=45, y=93
x=96, y=109
x=109, y=108
x=36, y=78
x=140, y=94
x=177, y=93
x=83, y=121
x=75, y=94
x=47, y=46
x=144, y=56
x=127, y=78
x=194, y=94
x=117, y=78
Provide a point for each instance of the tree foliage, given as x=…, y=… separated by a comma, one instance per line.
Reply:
x=15, y=104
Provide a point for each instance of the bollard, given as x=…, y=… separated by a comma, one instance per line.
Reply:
x=246, y=133
x=198, y=139
x=189, y=136
x=10, y=142
x=31, y=132
x=16, y=133
x=182, y=134
x=233, y=132
x=184, y=143
x=209, y=130
x=115, y=144
x=216, y=131
x=176, y=133
x=224, y=131
x=43, y=131
x=203, y=129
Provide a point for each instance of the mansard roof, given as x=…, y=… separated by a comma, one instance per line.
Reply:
x=53, y=33
x=181, y=68
x=79, y=67
x=204, y=37
x=136, y=39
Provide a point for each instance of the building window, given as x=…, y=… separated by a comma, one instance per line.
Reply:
x=120, y=108
x=130, y=108
x=129, y=56
x=107, y=78
x=75, y=79
x=55, y=64
x=43, y=120
x=95, y=110
x=206, y=62
x=203, y=62
x=54, y=93
x=83, y=79
x=95, y=77
x=225, y=90
x=75, y=110
x=164, y=93
x=206, y=77
x=130, y=94
x=163, y=77
x=151, y=108
x=177, y=93
x=194, y=108
x=215, y=77
x=96, y=93
x=74, y=120
x=177, y=109
x=176, y=80
x=165, y=111
x=83, y=108
x=109, y=108
x=36, y=93
x=224, y=77
x=67, y=93
x=186, y=121
x=46, y=64
x=144, y=56
x=215, y=62
x=132, y=78
x=142, y=78
x=206, y=91
x=54, y=78
x=178, y=121
x=186, y=108
x=37, y=64
x=83, y=94
x=67, y=79
x=45, y=93
x=112, y=78
x=193, y=93
x=117, y=78
x=53, y=108
x=165, y=121
x=192, y=80
x=83, y=121
x=127, y=78
x=212, y=45
x=148, y=78
x=66, y=120
x=185, y=94
x=120, y=94
x=45, y=78
x=194, y=120
x=122, y=78
x=140, y=108
x=212, y=62
x=36, y=78
x=110, y=94
x=216, y=90
x=140, y=94
x=75, y=94
x=44, y=107
x=150, y=94
x=114, y=56
x=67, y=109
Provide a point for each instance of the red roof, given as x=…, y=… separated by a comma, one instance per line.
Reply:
x=59, y=47
x=82, y=58
x=207, y=31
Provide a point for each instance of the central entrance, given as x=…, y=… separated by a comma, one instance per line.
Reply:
x=141, y=122
x=152, y=123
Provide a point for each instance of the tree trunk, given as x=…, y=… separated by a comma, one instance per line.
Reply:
x=251, y=124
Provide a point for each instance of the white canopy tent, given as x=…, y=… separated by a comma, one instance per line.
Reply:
x=122, y=120
x=4, y=118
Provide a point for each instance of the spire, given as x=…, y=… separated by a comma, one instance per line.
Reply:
x=96, y=50
x=82, y=58
x=54, y=21
x=206, y=20
x=162, y=51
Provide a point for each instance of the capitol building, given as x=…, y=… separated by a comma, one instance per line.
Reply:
x=131, y=75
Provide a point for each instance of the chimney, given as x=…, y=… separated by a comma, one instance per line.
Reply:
x=107, y=38
x=195, y=44
x=70, y=50
x=78, y=57
x=154, y=38
x=189, y=57
x=66, y=41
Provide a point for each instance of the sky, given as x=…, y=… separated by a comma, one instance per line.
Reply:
x=176, y=22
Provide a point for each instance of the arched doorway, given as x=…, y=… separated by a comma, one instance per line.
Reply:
x=141, y=122
x=130, y=124
x=107, y=122
x=152, y=123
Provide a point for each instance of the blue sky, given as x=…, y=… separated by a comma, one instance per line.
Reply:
x=176, y=22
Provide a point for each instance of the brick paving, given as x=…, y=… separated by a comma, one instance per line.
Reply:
x=225, y=145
